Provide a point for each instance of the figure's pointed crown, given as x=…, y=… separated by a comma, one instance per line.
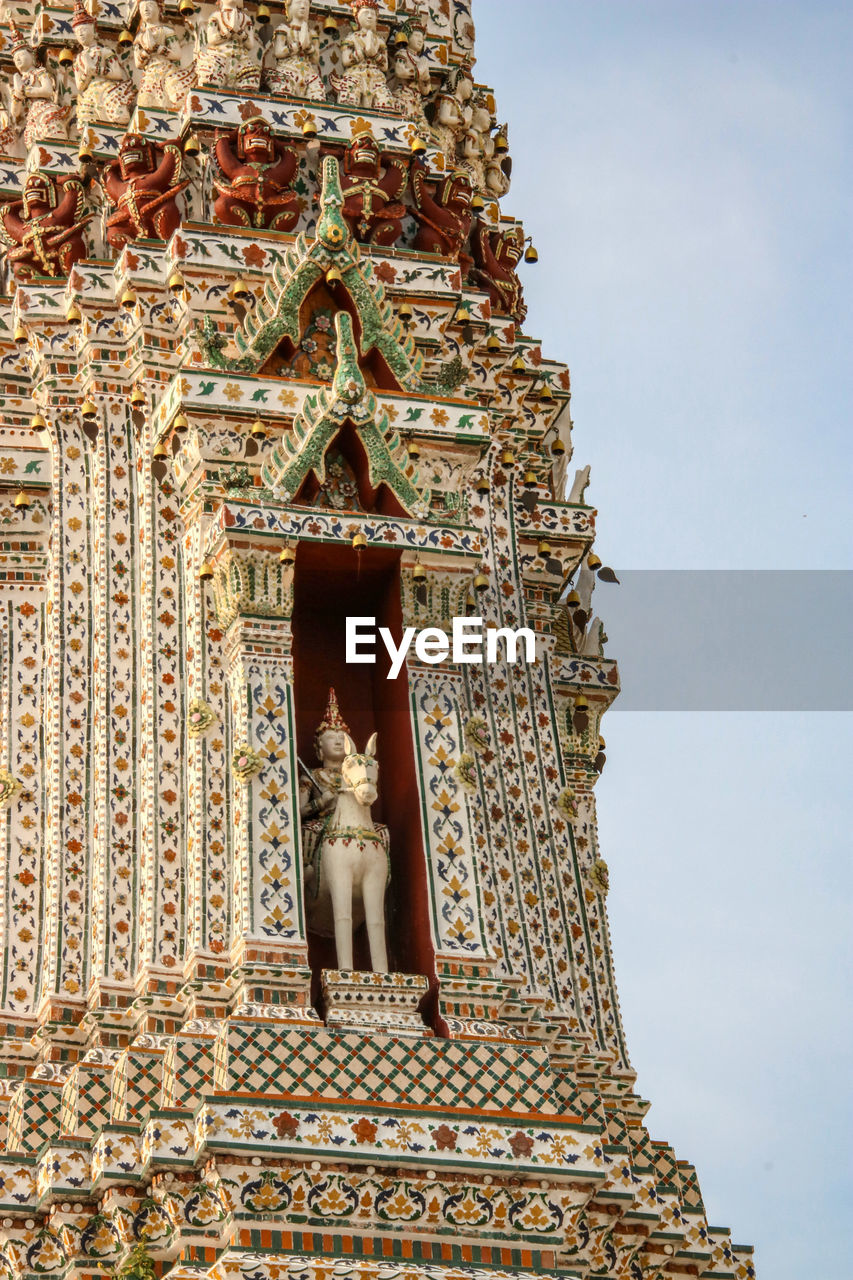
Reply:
x=18, y=41
x=333, y=718
x=82, y=16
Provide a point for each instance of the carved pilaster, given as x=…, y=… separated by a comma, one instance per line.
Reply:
x=254, y=595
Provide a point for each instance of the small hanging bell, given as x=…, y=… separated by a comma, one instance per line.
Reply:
x=507, y=458
x=413, y=449
x=531, y=255
x=288, y=555
x=418, y=147
x=493, y=343
x=159, y=453
x=359, y=541
x=22, y=501
x=127, y=301
x=73, y=314
x=186, y=8
x=501, y=144
x=593, y=562
x=309, y=129
x=138, y=397
x=20, y=334
x=88, y=410
x=478, y=204
x=205, y=572
x=333, y=276
x=544, y=549
x=38, y=422
x=558, y=449
x=530, y=481
x=124, y=38
x=258, y=431
x=419, y=573
x=263, y=14
x=483, y=485
x=239, y=290
x=547, y=394
x=518, y=365
x=192, y=146
x=86, y=150
x=330, y=27
x=463, y=314
x=180, y=424
x=406, y=312
x=481, y=582
x=66, y=57
x=176, y=283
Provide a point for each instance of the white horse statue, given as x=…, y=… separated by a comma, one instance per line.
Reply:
x=349, y=866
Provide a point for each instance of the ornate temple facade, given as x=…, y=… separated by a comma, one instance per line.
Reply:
x=296, y=984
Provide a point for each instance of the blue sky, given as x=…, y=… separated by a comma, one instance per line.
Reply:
x=686, y=170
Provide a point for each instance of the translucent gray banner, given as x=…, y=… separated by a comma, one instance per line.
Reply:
x=731, y=641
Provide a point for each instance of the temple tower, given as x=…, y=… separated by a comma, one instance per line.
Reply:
x=297, y=984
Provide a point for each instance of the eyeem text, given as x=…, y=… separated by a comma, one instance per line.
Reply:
x=469, y=643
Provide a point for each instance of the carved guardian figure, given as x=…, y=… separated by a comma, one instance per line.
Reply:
x=372, y=185
x=43, y=232
x=256, y=174
x=143, y=185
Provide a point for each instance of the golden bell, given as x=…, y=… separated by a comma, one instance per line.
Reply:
x=478, y=204
x=186, y=8
x=481, y=582
x=125, y=38
x=418, y=147
x=507, y=458
x=401, y=40
x=530, y=481
x=518, y=365
x=593, y=562
x=181, y=424
x=22, y=502
x=419, y=573
x=544, y=549
x=20, y=334
x=66, y=57
x=176, y=283
x=531, y=255
x=547, y=394
x=239, y=291
x=86, y=150
x=88, y=410
x=463, y=314
x=330, y=27
x=38, y=422
x=493, y=343
x=470, y=602
x=406, y=312
x=359, y=541
x=192, y=146
x=581, y=704
x=257, y=430
x=483, y=486
x=413, y=449
x=73, y=314
x=159, y=452
x=263, y=14
x=288, y=555
x=601, y=744
x=127, y=301
x=205, y=573
x=333, y=276
x=138, y=397
x=501, y=144
x=558, y=449
x=573, y=600
x=309, y=130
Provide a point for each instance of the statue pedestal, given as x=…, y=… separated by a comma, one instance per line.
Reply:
x=379, y=1002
